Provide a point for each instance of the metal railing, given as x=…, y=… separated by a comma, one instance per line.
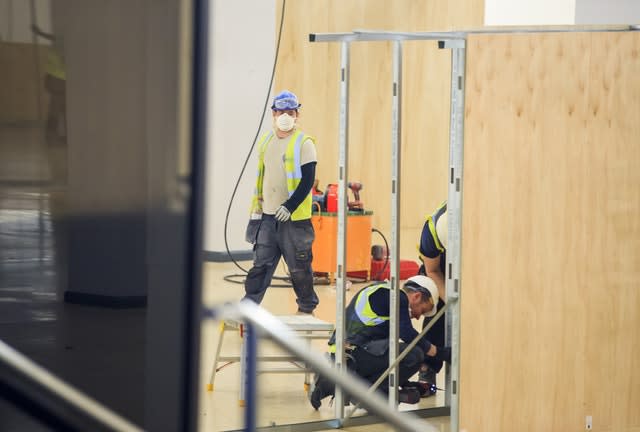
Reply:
x=260, y=322
x=50, y=400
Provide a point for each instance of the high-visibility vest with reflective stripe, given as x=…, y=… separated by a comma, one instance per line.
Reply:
x=362, y=322
x=55, y=65
x=292, y=170
x=431, y=223
x=363, y=308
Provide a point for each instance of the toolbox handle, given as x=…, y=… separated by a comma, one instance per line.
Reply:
x=315, y=203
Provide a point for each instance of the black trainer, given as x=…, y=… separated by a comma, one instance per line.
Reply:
x=321, y=389
x=315, y=397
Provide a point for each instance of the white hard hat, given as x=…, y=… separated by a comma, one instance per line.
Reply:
x=442, y=230
x=424, y=284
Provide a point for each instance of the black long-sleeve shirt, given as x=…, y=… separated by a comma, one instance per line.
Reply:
x=308, y=171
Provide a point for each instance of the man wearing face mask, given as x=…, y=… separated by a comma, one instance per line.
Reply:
x=280, y=222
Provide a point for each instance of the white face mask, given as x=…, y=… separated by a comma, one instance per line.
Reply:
x=285, y=122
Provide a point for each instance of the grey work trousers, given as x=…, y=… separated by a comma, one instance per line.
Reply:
x=292, y=240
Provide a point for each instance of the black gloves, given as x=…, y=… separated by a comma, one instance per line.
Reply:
x=436, y=362
x=444, y=354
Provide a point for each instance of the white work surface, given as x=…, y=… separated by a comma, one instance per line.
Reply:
x=305, y=323
x=306, y=327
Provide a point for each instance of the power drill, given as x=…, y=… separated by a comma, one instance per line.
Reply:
x=424, y=388
x=355, y=205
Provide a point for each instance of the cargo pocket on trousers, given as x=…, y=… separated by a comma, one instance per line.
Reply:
x=303, y=240
x=251, y=234
x=303, y=256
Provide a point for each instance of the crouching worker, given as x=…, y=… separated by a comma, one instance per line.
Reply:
x=367, y=337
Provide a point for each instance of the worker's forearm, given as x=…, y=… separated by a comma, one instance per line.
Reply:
x=438, y=278
x=304, y=188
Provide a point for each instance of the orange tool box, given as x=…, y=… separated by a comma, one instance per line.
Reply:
x=358, y=244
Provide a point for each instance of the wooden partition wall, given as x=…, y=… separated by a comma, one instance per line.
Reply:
x=312, y=71
x=551, y=225
x=551, y=233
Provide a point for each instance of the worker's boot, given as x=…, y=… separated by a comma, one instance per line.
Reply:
x=321, y=389
x=426, y=374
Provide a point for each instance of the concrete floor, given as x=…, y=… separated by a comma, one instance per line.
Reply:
x=98, y=350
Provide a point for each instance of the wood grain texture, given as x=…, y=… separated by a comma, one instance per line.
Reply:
x=613, y=117
x=312, y=71
x=551, y=233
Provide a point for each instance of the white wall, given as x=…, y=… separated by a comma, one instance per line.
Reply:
x=242, y=46
x=607, y=12
x=528, y=12
x=16, y=18
x=561, y=12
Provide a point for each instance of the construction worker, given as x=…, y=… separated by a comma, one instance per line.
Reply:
x=367, y=336
x=55, y=83
x=433, y=249
x=280, y=223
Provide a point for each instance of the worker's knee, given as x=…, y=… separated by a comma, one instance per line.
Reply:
x=299, y=260
x=257, y=272
x=414, y=358
x=302, y=277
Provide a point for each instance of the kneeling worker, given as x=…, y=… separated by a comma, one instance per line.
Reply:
x=367, y=336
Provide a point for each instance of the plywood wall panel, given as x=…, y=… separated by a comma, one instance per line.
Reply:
x=312, y=71
x=550, y=303
x=614, y=129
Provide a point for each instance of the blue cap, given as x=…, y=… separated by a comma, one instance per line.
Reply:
x=285, y=100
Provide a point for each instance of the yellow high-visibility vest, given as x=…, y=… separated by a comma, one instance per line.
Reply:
x=55, y=65
x=293, y=172
x=431, y=223
x=363, y=313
